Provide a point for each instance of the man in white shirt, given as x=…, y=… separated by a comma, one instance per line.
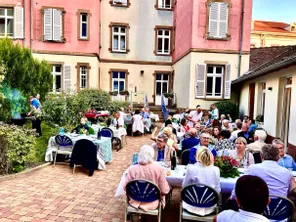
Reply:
x=118, y=121
x=233, y=136
x=214, y=112
x=195, y=116
x=259, y=137
x=252, y=197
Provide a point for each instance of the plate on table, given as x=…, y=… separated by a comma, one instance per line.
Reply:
x=74, y=134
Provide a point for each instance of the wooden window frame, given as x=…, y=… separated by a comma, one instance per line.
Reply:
x=63, y=23
x=127, y=27
x=78, y=66
x=118, y=70
x=6, y=24
x=171, y=81
x=128, y=4
x=173, y=2
x=171, y=28
x=79, y=12
x=228, y=36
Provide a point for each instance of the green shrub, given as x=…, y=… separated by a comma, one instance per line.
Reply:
x=17, y=147
x=226, y=107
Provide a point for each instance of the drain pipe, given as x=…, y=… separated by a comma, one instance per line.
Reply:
x=241, y=39
x=31, y=26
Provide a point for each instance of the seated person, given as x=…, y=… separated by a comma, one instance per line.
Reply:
x=253, y=126
x=204, y=141
x=206, y=120
x=147, y=170
x=285, y=159
x=252, y=197
x=81, y=127
x=162, y=152
x=203, y=172
x=244, y=133
x=146, y=118
x=184, y=126
x=191, y=141
x=255, y=148
x=226, y=125
x=118, y=121
x=278, y=178
x=243, y=156
x=224, y=143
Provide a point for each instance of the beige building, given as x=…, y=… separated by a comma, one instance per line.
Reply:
x=267, y=90
x=136, y=48
x=269, y=33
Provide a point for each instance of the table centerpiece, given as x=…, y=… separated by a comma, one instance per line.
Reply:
x=227, y=165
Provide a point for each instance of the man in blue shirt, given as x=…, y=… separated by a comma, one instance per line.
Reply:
x=204, y=141
x=285, y=159
x=191, y=141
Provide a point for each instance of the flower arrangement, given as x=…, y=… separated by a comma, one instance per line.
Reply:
x=124, y=93
x=168, y=95
x=227, y=165
x=83, y=131
x=113, y=93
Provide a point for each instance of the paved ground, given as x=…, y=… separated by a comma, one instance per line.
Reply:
x=55, y=194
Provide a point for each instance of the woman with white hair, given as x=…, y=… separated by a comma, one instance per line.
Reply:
x=203, y=172
x=256, y=147
x=147, y=170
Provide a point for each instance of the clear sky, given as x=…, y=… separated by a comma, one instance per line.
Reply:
x=274, y=10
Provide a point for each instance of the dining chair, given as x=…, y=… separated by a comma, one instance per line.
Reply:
x=185, y=156
x=143, y=191
x=85, y=154
x=64, y=146
x=106, y=132
x=199, y=195
x=279, y=209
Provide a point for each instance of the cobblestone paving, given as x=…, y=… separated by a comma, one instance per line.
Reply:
x=55, y=194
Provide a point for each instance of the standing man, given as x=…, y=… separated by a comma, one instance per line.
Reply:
x=195, y=116
x=35, y=112
x=214, y=112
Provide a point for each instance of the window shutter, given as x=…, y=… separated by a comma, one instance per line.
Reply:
x=57, y=25
x=223, y=21
x=67, y=78
x=160, y=4
x=213, y=19
x=19, y=22
x=200, y=81
x=227, y=90
x=47, y=24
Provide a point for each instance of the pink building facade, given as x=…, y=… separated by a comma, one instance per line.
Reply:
x=212, y=39
x=192, y=48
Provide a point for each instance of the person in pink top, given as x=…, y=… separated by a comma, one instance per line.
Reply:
x=147, y=170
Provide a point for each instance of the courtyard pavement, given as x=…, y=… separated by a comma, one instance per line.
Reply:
x=55, y=194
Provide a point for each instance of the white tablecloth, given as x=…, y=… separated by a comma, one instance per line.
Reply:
x=104, y=152
x=154, y=116
x=176, y=179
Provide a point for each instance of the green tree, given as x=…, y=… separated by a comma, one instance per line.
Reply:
x=23, y=71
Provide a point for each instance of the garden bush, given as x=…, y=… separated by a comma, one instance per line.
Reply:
x=66, y=110
x=227, y=107
x=17, y=147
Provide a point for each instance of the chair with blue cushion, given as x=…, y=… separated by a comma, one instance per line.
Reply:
x=143, y=191
x=279, y=209
x=106, y=132
x=198, y=195
x=64, y=146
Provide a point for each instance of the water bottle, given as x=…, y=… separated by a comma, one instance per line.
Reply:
x=174, y=161
x=61, y=131
x=135, y=158
x=99, y=134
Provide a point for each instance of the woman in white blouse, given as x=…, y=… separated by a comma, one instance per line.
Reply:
x=203, y=171
x=243, y=156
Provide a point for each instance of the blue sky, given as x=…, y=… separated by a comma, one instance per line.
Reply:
x=274, y=10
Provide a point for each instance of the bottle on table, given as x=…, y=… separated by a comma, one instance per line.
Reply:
x=174, y=161
x=99, y=134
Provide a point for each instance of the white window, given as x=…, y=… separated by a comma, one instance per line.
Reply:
x=263, y=89
x=214, y=81
x=119, y=39
x=83, y=77
x=121, y=2
x=6, y=22
x=218, y=20
x=118, y=81
x=84, y=25
x=163, y=41
x=53, y=24
x=57, y=78
x=165, y=4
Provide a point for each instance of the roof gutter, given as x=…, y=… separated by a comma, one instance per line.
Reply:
x=241, y=39
x=268, y=69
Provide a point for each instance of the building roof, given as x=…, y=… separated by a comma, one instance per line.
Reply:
x=268, y=59
x=270, y=26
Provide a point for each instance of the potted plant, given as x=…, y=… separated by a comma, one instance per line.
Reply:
x=124, y=93
x=113, y=93
x=170, y=97
x=228, y=166
x=260, y=118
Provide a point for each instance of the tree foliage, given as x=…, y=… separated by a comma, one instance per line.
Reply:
x=227, y=107
x=23, y=71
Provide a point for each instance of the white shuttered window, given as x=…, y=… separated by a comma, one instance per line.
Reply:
x=53, y=24
x=218, y=20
